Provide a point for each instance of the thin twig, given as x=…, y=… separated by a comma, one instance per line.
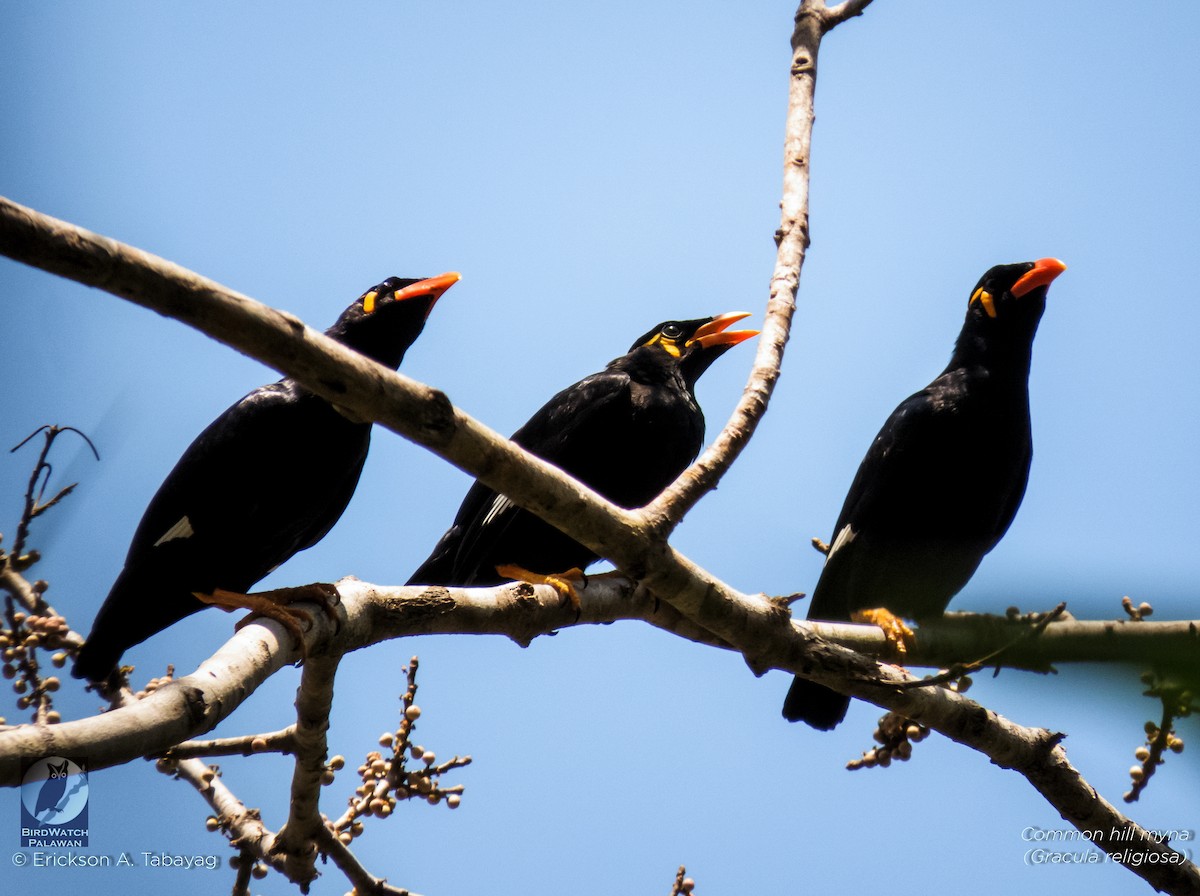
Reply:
x=34, y=505
x=792, y=241
x=282, y=741
x=835, y=15
x=365, y=883
x=683, y=885
x=387, y=779
x=1160, y=739
x=958, y=670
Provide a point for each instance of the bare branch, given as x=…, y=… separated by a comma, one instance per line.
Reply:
x=282, y=741
x=813, y=20
x=195, y=703
x=174, y=712
x=243, y=826
x=1172, y=644
x=189, y=706
x=34, y=505
x=314, y=703
x=832, y=16
x=792, y=240
x=337, y=373
x=683, y=885
x=520, y=611
x=364, y=882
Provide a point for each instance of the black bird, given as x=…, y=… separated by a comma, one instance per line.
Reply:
x=941, y=482
x=626, y=432
x=266, y=479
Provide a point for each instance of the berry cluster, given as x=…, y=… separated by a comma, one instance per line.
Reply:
x=20, y=641
x=387, y=779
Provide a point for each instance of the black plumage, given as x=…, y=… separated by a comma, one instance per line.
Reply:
x=267, y=478
x=627, y=432
x=943, y=479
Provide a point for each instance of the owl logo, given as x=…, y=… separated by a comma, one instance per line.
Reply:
x=54, y=791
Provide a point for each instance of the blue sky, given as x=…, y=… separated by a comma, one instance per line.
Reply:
x=591, y=173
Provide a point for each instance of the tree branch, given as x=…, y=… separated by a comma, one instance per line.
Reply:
x=243, y=826
x=328, y=368
x=760, y=629
x=521, y=612
x=364, y=882
x=314, y=703
x=282, y=741
x=833, y=16
x=194, y=704
x=813, y=20
x=960, y=636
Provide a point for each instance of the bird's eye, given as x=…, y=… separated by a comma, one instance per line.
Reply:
x=672, y=331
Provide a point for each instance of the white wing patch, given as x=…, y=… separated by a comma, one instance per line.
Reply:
x=182, y=529
x=843, y=538
x=499, y=505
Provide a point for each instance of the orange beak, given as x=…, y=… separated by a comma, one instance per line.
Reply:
x=433, y=286
x=714, y=332
x=1043, y=274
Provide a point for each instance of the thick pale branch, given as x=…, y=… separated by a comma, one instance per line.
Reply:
x=192, y=705
x=282, y=341
x=178, y=710
x=374, y=613
x=314, y=703
x=959, y=637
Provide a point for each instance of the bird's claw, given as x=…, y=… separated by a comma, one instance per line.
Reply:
x=275, y=605
x=895, y=630
x=561, y=582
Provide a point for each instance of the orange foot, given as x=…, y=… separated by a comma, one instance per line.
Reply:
x=560, y=582
x=275, y=605
x=894, y=629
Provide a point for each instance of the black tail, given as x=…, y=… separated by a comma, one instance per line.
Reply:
x=97, y=658
x=814, y=704
x=117, y=626
x=137, y=607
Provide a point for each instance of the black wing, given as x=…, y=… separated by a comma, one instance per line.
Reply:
x=938, y=488
x=269, y=477
x=569, y=431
